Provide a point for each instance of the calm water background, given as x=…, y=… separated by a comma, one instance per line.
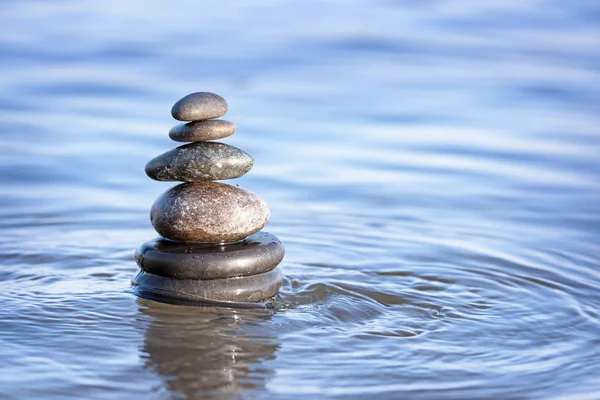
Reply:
x=432, y=167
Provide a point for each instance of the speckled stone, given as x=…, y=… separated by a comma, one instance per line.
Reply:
x=257, y=254
x=200, y=161
x=197, y=131
x=208, y=212
x=243, y=289
x=199, y=106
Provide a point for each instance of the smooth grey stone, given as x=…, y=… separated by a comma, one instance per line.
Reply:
x=243, y=289
x=199, y=106
x=208, y=212
x=197, y=131
x=258, y=253
x=200, y=161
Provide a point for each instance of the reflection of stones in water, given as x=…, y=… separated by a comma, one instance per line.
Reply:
x=208, y=351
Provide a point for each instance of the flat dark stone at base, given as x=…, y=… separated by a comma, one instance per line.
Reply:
x=245, y=289
x=258, y=253
x=266, y=304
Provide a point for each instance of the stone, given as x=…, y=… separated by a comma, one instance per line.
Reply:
x=197, y=131
x=253, y=288
x=257, y=254
x=199, y=106
x=200, y=161
x=208, y=212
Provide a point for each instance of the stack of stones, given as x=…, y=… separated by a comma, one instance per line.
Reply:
x=211, y=248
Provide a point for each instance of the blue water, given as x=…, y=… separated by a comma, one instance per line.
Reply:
x=432, y=167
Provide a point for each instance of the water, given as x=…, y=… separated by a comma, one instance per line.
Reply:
x=432, y=167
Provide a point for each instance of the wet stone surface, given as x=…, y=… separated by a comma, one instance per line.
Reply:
x=195, y=131
x=208, y=212
x=199, y=106
x=253, y=288
x=258, y=253
x=201, y=161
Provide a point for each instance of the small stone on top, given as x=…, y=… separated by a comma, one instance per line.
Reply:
x=197, y=131
x=199, y=106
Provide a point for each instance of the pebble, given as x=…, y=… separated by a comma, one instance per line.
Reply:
x=253, y=288
x=199, y=106
x=208, y=212
x=200, y=161
x=197, y=131
x=257, y=254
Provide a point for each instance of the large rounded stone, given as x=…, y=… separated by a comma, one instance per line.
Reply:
x=199, y=106
x=197, y=131
x=244, y=289
x=201, y=161
x=208, y=212
x=258, y=253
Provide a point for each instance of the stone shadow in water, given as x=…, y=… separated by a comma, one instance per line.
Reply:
x=208, y=352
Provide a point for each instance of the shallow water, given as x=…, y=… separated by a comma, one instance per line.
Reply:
x=433, y=169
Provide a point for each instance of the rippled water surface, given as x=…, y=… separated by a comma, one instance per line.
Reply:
x=432, y=167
